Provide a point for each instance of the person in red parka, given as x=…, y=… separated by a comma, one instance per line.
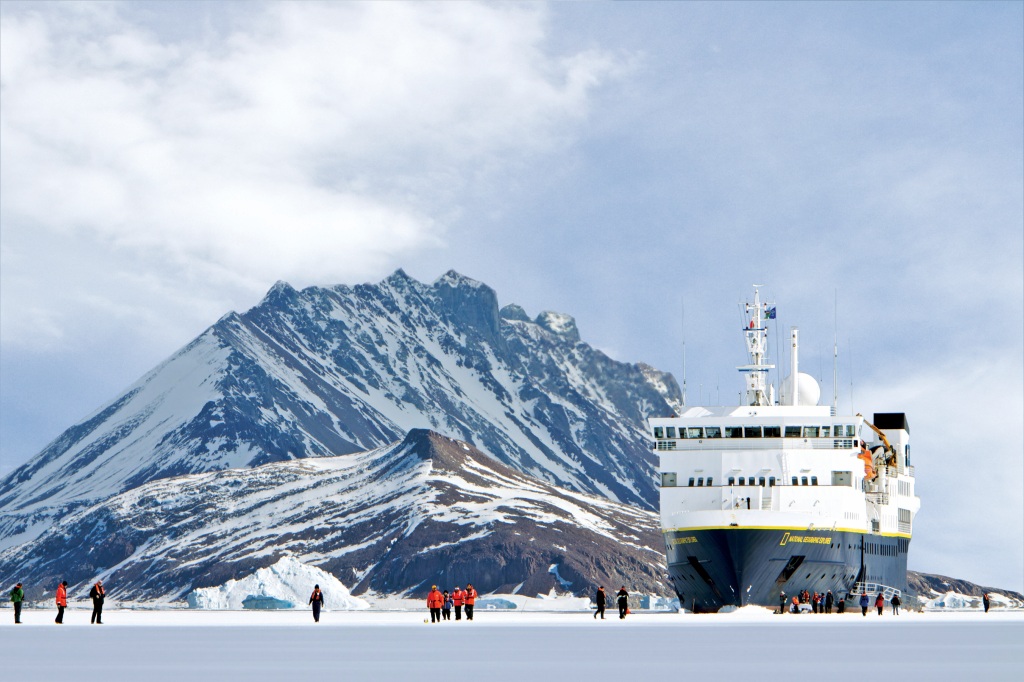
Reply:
x=435, y=600
x=469, y=596
x=880, y=603
x=458, y=599
x=62, y=601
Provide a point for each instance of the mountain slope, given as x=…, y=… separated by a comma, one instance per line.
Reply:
x=393, y=520
x=329, y=371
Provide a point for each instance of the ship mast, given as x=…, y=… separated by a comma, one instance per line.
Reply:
x=756, y=332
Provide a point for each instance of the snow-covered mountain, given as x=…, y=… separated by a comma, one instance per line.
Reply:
x=392, y=520
x=329, y=371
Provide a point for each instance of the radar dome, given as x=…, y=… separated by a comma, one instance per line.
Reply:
x=808, y=393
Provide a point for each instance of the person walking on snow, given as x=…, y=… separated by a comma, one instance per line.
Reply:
x=880, y=603
x=446, y=607
x=986, y=601
x=469, y=596
x=435, y=600
x=97, y=594
x=622, y=599
x=895, y=601
x=829, y=600
x=317, y=600
x=782, y=602
x=17, y=596
x=600, y=599
x=62, y=602
x=865, y=602
x=458, y=596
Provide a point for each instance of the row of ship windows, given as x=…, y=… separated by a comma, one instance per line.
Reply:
x=836, y=431
x=700, y=481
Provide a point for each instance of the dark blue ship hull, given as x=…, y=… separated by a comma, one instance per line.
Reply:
x=712, y=568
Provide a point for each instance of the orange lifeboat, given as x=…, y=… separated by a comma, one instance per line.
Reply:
x=869, y=468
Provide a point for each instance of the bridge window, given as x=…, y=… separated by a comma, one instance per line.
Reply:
x=760, y=481
x=741, y=482
x=751, y=431
x=713, y=432
x=691, y=483
x=851, y=431
x=814, y=480
x=700, y=482
x=810, y=432
x=803, y=480
x=670, y=432
x=732, y=480
x=709, y=480
x=750, y=481
x=771, y=481
x=695, y=432
x=734, y=432
x=792, y=432
x=794, y=480
x=773, y=432
x=659, y=432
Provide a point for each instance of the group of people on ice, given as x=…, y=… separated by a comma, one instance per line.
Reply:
x=818, y=602
x=441, y=603
x=865, y=601
x=97, y=594
x=621, y=600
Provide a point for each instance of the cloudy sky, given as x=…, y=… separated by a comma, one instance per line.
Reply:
x=163, y=163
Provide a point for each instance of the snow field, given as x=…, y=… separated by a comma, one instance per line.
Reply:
x=383, y=646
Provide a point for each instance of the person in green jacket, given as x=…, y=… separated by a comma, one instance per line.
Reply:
x=17, y=595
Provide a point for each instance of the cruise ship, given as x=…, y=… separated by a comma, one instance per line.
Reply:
x=781, y=494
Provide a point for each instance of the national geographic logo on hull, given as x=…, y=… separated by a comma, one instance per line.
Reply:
x=805, y=539
x=688, y=540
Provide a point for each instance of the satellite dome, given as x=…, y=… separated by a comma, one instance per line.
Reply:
x=809, y=390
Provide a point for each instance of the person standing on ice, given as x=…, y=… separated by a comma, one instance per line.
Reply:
x=458, y=597
x=895, y=601
x=880, y=603
x=864, y=604
x=446, y=607
x=986, y=601
x=469, y=596
x=62, y=601
x=17, y=596
x=435, y=600
x=317, y=600
x=829, y=600
x=600, y=599
x=97, y=594
x=782, y=603
x=622, y=600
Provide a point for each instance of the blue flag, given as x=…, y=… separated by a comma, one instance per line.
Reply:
x=769, y=314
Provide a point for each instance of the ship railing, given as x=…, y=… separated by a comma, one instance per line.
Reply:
x=754, y=444
x=872, y=589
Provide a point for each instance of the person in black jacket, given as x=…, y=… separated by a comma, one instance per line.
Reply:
x=829, y=600
x=895, y=601
x=97, y=594
x=317, y=600
x=622, y=599
x=600, y=599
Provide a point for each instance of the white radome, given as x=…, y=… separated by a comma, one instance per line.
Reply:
x=809, y=390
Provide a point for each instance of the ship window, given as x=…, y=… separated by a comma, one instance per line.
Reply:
x=814, y=480
x=760, y=481
x=773, y=432
x=700, y=481
x=851, y=431
x=792, y=432
x=810, y=432
x=713, y=432
x=691, y=482
x=741, y=482
x=734, y=432
x=670, y=432
x=668, y=479
x=794, y=480
x=825, y=430
x=751, y=431
x=694, y=432
x=709, y=480
x=803, y=480
x=659, y=432
x=750, y=481
x=732, y=480
x=771, y=481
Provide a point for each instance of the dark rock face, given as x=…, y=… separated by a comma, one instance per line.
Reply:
x=426, y=510
x=925, y=584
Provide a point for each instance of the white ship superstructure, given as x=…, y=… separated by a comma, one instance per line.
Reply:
x=782, y=494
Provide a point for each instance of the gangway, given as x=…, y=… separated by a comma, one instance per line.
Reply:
x=872, y=590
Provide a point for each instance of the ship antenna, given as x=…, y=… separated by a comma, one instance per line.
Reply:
x=684, y=350
x=835, y=354
x=850, y=352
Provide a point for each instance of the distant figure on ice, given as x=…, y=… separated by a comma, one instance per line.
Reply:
x=880, y=603
x=97, y=594
x=986, y=601
x=895, y=601
x=458, y=597
x=18, y=594
x=622, y=600
x=446, y=606
x=317, y=600
x=62, y=602
x=841, y=607
x=435, y=600
x=864, y=604
x=469, y=596
x=782, y=603
x=829, y=600
x=600, y=599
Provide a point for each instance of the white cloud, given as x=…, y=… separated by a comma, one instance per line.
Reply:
x=311, y=142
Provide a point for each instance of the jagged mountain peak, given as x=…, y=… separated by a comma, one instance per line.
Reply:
x=515, y=312
x=559, y=324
